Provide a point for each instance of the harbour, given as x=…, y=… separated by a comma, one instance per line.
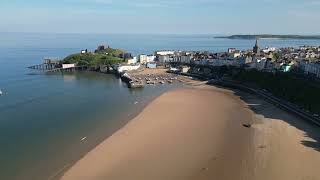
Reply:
x=149, y=77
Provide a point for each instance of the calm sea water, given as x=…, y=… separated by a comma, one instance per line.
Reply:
x=44, y=117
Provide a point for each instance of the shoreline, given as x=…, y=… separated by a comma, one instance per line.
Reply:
x=123, y=130
x=59, y=174
x=206, y=161
x=124, y=120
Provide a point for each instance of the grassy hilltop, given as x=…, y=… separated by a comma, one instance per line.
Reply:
x=94, y=60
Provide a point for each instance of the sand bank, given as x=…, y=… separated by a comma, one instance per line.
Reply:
x=198, y=133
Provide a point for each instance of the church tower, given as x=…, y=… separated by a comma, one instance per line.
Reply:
x=256, y=48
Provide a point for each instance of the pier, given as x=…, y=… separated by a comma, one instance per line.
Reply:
x=55, y=65
x=48, y=64
x=132, y=82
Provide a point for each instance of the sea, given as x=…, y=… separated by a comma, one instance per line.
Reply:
x=48, y=122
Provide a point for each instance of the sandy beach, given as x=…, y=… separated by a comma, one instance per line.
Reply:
x=198, y=134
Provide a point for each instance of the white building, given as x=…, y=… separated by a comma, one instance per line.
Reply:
x=123, y=68
x=185, y=69
x=164, y=53
x=269, y=49
x=182, y=59
x=235, y=54
x=144, y=59
x=310, y=55
x=151, y=58
x=132, y=61
x=231, y=50
x=66, y=66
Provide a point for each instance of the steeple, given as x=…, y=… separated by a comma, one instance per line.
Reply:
x=256, y=48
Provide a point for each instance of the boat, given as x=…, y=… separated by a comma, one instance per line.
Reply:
x=1, y=93
x=161, y=82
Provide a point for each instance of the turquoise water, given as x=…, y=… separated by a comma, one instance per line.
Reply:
x=44, y=117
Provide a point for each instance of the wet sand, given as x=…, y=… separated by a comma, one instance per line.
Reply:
x=197, y=133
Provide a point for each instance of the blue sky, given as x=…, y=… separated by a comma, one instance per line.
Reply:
x=165, y=16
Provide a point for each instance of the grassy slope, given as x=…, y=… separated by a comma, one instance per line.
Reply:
x=94, y=60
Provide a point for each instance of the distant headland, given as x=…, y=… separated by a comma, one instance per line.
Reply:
x=270, y=36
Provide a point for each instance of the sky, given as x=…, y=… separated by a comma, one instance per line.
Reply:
x=221, y=17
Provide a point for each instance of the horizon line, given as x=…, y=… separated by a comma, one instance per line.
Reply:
x=115, y=33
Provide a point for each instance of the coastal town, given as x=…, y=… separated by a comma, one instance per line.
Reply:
x=300, y=60
x=303, y=59
x=269, y=70
x=144, y=69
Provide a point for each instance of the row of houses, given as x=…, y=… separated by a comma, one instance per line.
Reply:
x=270, y=59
